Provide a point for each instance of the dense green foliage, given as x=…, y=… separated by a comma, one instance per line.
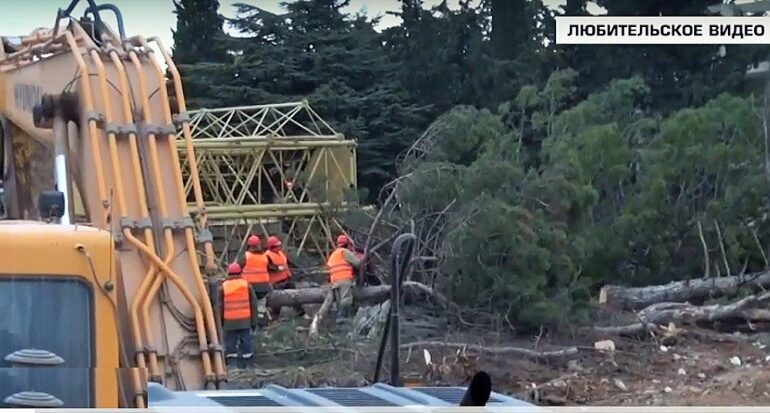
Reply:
x=616, y=196
x=199, y=41
x=564, y=168
x=678, y=76
x=198, y=33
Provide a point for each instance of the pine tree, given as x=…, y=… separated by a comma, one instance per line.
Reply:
x=510, y=27
x=199, y=34
x=338, y=62
x=679, y=75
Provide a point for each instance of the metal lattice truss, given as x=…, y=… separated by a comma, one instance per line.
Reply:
x=278, y=163
x=282, y=120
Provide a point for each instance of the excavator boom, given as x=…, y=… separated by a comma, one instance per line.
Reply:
x=91, y=108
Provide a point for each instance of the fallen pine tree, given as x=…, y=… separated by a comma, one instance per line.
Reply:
x=635, y=298
x=745, y=310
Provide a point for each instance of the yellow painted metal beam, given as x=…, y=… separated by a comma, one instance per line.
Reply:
x=271, y=164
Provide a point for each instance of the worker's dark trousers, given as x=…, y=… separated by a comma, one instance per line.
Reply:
x=261, y=290
x=286, y=285
x=238, y=340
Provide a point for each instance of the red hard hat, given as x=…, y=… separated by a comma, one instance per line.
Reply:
x=343, y=240
x=273, y=242
x=234, y=269
x=254, y=241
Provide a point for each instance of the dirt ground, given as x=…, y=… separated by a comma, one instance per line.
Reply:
x=716, y=370
x=688, y=373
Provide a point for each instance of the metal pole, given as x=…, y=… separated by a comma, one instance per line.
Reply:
x=395, y=293
x=402, y=257
x=61, y=147
x=400, y=261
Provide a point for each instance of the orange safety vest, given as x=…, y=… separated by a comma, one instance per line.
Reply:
x=339, y=269
x=279, y=258
x=255, y=271
x=236, y=296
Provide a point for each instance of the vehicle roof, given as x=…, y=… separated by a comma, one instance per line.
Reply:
x=379, y=395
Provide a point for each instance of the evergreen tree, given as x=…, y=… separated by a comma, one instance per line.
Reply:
x=511, y=25
x=678, y=75
x=338, y=62
x=199, y=32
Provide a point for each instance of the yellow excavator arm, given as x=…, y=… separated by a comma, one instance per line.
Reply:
x=87, y=111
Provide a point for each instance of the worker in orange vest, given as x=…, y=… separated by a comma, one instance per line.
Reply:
x=256, y=270
x=342, y=264
x=238, y=311
x=279, y=261
x=281, y=278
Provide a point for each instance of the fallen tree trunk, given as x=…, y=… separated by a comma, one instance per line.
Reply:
x=743, y=310
x=627, y=330
x=413, y=292
x=519, y=351
x=664, y=313
x=679, y=291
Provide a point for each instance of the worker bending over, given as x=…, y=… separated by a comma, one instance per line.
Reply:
x=342, y=265
x=238, y=311
x=280, y=279
x=256, y=270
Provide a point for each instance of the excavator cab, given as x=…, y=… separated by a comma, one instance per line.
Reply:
x=59, y=340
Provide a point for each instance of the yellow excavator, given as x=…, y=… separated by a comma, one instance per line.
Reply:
x=102, y=268
x=87, y=111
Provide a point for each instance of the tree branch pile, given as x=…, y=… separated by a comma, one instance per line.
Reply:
x=394, y=218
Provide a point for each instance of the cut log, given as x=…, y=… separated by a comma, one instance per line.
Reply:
x=748, y=310
x=679, y=291
x=684, y=313
x=664, y=313
x=413, y=292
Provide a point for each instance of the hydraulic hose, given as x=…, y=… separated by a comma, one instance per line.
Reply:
x=139, y=322
x=111, y=7
x=168, y=237
x=139, y=326
x=145, y=301
x=88, y=104
x=208, y=311
x=401, y=257
x=193, y=162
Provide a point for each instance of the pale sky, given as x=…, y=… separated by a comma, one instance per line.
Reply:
x=155, y=17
